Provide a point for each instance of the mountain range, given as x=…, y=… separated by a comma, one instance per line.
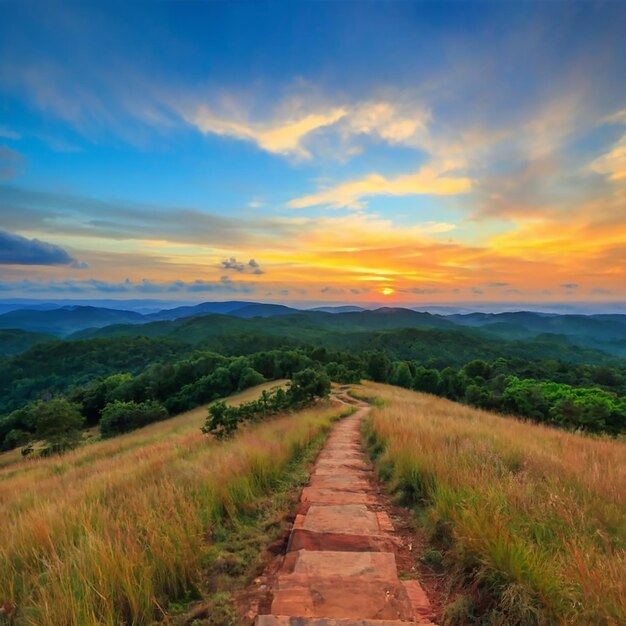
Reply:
x=194, y=323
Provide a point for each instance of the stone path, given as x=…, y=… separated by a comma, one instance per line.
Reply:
x=340, y=567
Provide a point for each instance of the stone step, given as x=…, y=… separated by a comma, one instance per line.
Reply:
x=283, y=620
x=326, y=563
x=302, y=539
x=353, y=519
x=320, y=495
x=338, y=596
x=341, y=482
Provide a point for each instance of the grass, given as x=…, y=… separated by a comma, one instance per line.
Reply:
x=116, y=531
x=532, y=519
x=12, y=461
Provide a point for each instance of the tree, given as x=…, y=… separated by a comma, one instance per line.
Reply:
x=401, y=375
x=427, y=380
x=377, y=366
x=308, y=384
x=121, y=417
x=249, y=378
x=58, y=422
x=222, y=420
x=477, y=368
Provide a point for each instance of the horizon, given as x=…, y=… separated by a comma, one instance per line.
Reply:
x=146, y=305
x=424, y=155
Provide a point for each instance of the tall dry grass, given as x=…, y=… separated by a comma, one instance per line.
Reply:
x=534, y=517
x=109, y=533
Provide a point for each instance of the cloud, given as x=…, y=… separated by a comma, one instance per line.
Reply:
x=419, y=290
x=613, y=163
x=279, y=137
x=307, y=123
x=251, y=267
x=497, y=285
x=569, y=286
x=69, y=214
x=127, y=286
x=17, y=250
x=255, y=267
x=11, y=163
x=428, y=181
x=233, y=264
x=7, y=133
x=385, y=120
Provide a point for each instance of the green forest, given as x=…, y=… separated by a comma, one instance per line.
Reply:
x=123, y=377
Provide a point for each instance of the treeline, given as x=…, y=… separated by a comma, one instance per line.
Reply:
x=588, y=397
x=579, y=397
x=489, y=386
x=122, y=402
x=54, y=368
x=304, y=388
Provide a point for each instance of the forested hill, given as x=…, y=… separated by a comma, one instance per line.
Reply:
x=357, y=330
x=606, y=333
x=181, y=363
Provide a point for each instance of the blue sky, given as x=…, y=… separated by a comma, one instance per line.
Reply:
x=355, y=151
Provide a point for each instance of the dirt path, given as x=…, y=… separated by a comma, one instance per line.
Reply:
x=340, y=566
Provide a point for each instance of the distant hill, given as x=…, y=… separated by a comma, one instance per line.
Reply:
x=601, y=332
x=303, y=325
x=263, y=310
x=605, y=332
x=338, y=309
x=403, y=333
x=66, y=320
x=14, y=341
x=225, y=308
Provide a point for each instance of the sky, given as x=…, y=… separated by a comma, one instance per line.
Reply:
x=354, y=152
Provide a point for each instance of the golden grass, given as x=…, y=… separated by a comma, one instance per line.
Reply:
x=535, y=515
x=109, y=533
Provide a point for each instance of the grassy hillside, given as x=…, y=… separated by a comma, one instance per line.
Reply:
x=117, y=531
x=533, y=520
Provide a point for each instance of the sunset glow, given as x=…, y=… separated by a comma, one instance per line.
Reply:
x=443, y=168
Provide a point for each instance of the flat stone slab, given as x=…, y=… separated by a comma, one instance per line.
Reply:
x=341, y=482
x=354, y=597
x=420, y=605
x=283, y=620
x=302, y=539
x=375, y=565
x=342, y=465
x=334, y=469
x=352, y=519
x=315, y=495
x=341, y=458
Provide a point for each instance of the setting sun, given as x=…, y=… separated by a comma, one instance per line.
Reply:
x=387, y=291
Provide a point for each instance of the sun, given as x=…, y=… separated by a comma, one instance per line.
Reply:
x=387, y=291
